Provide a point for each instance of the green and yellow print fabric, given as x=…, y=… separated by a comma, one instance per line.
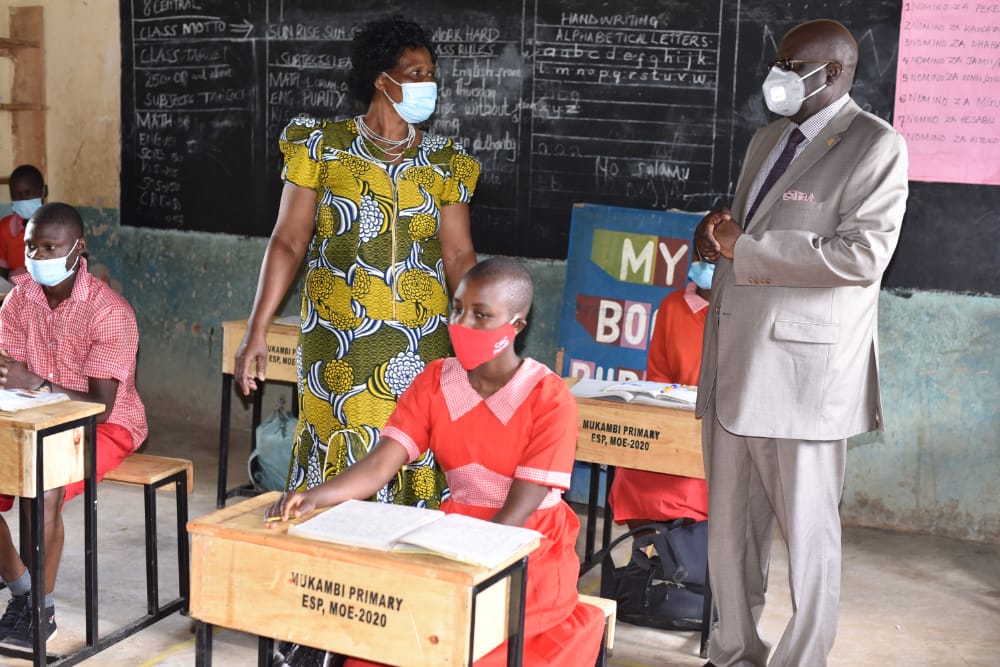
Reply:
x=374, y=300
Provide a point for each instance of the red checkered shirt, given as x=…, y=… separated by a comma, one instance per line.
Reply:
x=93, y=333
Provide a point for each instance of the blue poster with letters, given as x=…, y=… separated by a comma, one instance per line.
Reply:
x=621, y=263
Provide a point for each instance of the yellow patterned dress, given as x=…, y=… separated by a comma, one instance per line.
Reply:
x=374, y=299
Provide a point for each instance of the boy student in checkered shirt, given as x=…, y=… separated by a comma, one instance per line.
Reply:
x=63, y=330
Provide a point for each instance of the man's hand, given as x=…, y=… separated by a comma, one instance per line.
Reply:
x=705, y=238
x=15, y=375
x=726, y=233
x=716, y=235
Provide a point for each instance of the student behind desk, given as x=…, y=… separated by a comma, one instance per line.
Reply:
x=503, y=430
x=27, y=194
x=63, y=330
x=640, y=497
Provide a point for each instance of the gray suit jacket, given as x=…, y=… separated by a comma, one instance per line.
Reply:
x=791, y=347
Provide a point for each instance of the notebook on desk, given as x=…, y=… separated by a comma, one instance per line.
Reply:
x=667, y=394
x=389, y=527
x=12, y=400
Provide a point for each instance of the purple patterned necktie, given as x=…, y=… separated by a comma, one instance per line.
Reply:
x=787, y=153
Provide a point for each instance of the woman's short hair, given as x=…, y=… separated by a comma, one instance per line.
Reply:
x=377, y=47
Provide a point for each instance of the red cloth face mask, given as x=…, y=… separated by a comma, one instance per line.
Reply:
x=474, y=347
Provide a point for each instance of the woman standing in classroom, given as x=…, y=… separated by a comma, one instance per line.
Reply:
x=379, y=210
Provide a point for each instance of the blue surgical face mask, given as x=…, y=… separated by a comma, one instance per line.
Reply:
x=701, y=273
x=26, y=207
x=419, y=100
x=51, y=272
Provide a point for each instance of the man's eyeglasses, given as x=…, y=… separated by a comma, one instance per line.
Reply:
x=792, y=64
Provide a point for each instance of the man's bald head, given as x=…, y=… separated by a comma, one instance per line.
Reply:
x=822, y=40
x=827, y=39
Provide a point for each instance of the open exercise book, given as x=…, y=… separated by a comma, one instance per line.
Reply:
x=638, y=391
x=389, y=527
x=12, y=400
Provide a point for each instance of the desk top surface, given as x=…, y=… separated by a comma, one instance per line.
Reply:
x=243, y=522
x=50, y=414
x=288, y=324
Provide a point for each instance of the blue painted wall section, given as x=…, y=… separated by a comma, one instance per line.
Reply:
x=936, y=469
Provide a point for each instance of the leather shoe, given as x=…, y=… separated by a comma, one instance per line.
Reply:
x=709, y=664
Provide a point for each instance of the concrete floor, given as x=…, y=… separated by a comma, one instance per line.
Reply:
x=907, y=599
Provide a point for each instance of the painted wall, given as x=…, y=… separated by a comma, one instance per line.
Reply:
x=936, y=469
x=82, y=89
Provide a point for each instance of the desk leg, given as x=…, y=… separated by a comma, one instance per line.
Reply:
x=255, y=414
x=227, y=400
x=90, y=528
x=24, y=528
x=202, y=644
x=608, y=516
x=37, y=565
x=595, y=480
x=265, y=648
x=515, y=614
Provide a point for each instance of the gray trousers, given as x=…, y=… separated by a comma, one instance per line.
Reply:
x=752, y=482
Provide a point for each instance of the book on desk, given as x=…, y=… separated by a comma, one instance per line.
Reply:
x=13, y=400
x=667, y=394
x=402, y=528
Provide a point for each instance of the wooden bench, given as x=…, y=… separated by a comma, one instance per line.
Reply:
x=151, y=473
x=610, y=610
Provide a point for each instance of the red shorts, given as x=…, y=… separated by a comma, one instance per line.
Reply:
x=113, y=444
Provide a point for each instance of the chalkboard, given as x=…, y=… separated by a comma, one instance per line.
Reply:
x=646, y=106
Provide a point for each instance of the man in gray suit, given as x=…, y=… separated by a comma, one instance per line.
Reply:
x=790, y=362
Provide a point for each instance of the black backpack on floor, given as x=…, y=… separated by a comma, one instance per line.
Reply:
x=665, y=590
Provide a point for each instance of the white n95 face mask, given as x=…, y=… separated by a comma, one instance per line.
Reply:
x=785, y=91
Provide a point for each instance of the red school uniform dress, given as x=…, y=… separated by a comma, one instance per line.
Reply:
x=12, y=242
x=93, y=333
x=674, y=356
x=527, y=430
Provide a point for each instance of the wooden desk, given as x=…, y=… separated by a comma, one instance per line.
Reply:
x=282, y=341
x=641, y=437
x=40, y=449
x=401, y=609
x=637, y=436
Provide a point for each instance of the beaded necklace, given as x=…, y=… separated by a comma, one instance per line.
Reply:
x=394, y=148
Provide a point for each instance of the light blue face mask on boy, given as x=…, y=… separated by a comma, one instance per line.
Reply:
x=701, y=273
x=419, y=100
x=51, y=272
x=26, y=208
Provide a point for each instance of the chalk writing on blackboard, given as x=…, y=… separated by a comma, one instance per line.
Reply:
x=561, y=102
x=624, y=106
x=648, y=106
